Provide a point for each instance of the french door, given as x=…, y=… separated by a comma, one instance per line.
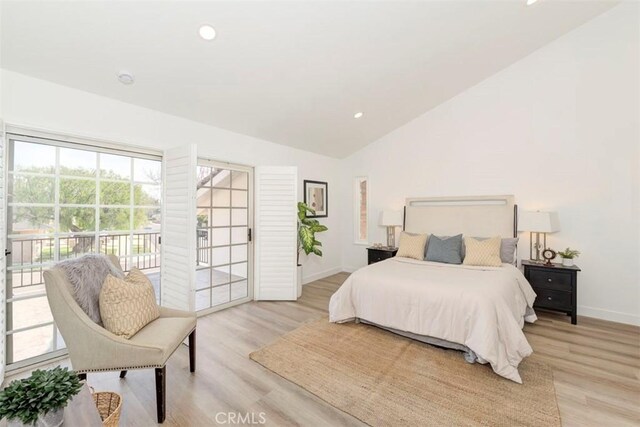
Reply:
x=224, y=212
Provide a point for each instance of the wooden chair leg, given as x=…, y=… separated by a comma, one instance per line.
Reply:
x=192, y=351
x=161, y=395
x=82, y=376
x=123, y=374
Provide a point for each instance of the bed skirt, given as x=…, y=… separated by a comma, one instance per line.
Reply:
x=469, y=355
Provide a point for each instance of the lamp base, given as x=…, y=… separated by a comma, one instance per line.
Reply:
x=391, y=237
x=536, y=247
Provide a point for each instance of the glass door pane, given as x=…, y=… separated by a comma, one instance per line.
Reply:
x=224, y=250
x=66, y=201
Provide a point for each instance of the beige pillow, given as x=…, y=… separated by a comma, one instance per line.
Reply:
x=128, y=305
x=412, y=245
x=484, y=253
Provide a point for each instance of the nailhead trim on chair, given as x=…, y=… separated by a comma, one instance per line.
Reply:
x=125, y=368
x=128, y=368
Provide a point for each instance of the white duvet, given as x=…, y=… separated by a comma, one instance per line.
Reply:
x=483, y=308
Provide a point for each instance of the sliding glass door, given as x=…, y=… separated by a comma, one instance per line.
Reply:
x=224, y=248
x=66, y=200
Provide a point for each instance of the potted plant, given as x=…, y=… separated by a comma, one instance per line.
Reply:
x=568, y=255
x=40, y=399
x=307, y=229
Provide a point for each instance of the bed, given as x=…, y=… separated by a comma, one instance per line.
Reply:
x=478, y=310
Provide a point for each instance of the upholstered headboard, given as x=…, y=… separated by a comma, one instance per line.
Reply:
x=481, y=216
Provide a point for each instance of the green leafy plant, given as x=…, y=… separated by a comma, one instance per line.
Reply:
x=37, y=189
x=307, y=229
x=569, y=253
x=41, y=393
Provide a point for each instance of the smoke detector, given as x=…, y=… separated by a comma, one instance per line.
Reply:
x=126, y=78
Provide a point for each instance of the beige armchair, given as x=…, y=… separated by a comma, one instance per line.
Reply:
x=93, y=349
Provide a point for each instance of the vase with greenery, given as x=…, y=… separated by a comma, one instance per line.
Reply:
x=307, y=242
x=568, y=255
x=40, y=399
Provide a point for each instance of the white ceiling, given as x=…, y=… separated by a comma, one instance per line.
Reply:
x=289, y=72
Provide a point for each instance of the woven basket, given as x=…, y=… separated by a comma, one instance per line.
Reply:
x=109, y=405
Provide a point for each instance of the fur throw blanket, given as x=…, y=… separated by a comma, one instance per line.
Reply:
x=86, y=275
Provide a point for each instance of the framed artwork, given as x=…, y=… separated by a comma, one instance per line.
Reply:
x=316, y=196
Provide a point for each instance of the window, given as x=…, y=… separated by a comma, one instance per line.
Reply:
x=66, y=200
x=361, y=221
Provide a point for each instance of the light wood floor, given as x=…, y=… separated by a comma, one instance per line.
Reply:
x=596, y=368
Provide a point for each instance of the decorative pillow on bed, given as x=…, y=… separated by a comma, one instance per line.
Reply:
x=508, y=247
x=445, y=249
x=508, y=250
x=412, y=245
x=483, y=252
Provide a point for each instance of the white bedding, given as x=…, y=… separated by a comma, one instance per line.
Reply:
x=483, y=308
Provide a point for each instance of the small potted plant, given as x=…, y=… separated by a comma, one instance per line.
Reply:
x=568, y=255
x=40, y=399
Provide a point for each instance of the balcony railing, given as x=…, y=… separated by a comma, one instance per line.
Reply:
x=202, y=243
x=31, y=257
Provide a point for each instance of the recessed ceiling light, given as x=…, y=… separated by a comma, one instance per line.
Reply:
x=207, y=32
x=358, y=115
x=530, y=2
x=126, y=78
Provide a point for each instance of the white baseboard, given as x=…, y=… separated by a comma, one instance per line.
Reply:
x=614, y=316
x=320, y=275
x=349, y=269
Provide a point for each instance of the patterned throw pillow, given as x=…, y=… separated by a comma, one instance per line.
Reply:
x=128, y=305
x=508, y=248
x=412, y=245
x=484, y=253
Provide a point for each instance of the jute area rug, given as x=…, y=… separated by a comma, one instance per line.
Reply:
x=387, y=380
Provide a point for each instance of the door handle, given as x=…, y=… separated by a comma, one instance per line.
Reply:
x=7, y=252
x=249, y=235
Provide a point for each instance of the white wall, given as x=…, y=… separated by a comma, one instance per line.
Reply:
x=560, y=131
x=40, y=104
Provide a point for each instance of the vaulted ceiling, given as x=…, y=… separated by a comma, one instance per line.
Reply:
x=294, y=73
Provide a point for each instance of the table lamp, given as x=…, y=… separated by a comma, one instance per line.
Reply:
x=538, y=223
x=391, y=220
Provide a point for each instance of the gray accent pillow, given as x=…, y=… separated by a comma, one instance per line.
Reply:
x=86, y=275
x=507, y=249
x=445, y=249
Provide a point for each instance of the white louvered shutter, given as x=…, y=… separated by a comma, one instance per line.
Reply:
x=178, y=288
x=3, y=258
x=276, y=232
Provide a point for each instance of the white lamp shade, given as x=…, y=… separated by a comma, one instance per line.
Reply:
x=538, y=222
x=391, y=218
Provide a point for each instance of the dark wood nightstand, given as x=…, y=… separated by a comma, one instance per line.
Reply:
x=555, y=285
x=379, y=254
